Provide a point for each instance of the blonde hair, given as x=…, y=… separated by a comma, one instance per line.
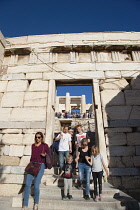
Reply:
x=69, y=157
x=96, y=149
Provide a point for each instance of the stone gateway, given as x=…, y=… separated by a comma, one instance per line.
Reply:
x=31, y=67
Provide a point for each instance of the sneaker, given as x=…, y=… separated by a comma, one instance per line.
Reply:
x=25, y=208
x=35, y=207
x=79, y=187
x=70, y=197
x=64, y=197
x=100, y=197
x=96, y=198
x=87, y=197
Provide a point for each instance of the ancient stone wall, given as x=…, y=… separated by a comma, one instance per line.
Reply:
x=120, y=106
x=31, y=69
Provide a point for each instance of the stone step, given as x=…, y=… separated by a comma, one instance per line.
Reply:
x=53, y=181
x=48, y=191
x=51, y=198
x=57, y=203
x=52, y=190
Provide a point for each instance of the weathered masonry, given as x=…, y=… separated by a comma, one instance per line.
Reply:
x=32, y=67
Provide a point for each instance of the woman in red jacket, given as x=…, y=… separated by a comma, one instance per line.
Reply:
x=39, y=150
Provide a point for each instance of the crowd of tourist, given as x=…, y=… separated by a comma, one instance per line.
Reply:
x=74, y=151
x=66, y=115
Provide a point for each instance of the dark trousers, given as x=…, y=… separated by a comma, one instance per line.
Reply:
x=97, y=175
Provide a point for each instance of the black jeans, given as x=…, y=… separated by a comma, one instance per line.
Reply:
x=97, y=175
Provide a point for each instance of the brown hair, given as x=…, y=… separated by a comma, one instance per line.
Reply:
x=94, y=147
x=84, y=140
x=78, y=126
x=66, y=126
x=42, y=137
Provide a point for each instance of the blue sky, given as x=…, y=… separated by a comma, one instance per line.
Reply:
x=33, y=17
x=76, y=90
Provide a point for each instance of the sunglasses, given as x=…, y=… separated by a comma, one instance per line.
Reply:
x=84, y=144
x=38, y=137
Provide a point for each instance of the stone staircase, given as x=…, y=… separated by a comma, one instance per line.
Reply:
x=51, y=199
x=88, y=124
x=51, y=192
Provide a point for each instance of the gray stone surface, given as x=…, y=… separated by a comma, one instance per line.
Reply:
x=15, y=125
x=114, y=84
x=12, y=139
x=124, y=171
x=28, y=114
x=31, y=76
x=119, y=112
x=115, y=162
x=12, y=99
x=137, y=161
x=132, y=97
x=5, y=114
x=6, y=150
x=5, y=169
x=135, y=113
x=16, y=150
x=17, y=170
x=9, y=161
x=24, y=160
x=38, y=85
x=128, y=162
x=123, y=123
x=39, y=125
x=116, y=139
x=17, y=85
x=13, y=76
x=112, y=97
x=133, y=138
x=121, y=151
x=12, y=131
x=135, y=83
x=3, y=85
x=137, y=150
x=118, y=130
x=131, y=182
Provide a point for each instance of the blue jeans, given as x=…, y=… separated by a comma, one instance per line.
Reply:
x=85, y=169
x=62, y=156
x=37, y=180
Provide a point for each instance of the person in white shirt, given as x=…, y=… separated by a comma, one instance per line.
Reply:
x=65, y=146
x=97, y=163
x=79, y=136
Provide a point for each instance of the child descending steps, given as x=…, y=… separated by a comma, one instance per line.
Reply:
x=67, y=174
x=97, y=163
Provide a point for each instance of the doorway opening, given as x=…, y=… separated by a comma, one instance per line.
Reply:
x=74, y=105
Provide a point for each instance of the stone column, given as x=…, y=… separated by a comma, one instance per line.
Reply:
x=67, y=103
x=83, y=104
x=50, y=112
x=57, y=104
x=99, y=121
